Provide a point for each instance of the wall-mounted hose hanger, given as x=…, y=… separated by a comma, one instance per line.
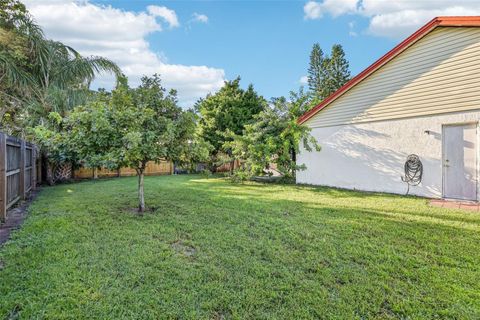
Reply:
x=413, y=171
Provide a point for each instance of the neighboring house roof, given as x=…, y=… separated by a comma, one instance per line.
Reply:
x=472, y=21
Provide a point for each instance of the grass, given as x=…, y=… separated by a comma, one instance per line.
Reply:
x=210, y=249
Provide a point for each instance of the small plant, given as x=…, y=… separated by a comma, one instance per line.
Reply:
x=206, y=173
x=239, y=176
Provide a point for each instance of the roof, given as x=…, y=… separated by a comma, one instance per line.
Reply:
x=463, y=21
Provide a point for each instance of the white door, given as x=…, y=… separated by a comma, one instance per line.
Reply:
x=460, y=161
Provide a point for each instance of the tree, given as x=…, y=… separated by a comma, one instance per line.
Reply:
x=228, y=110
x=197, y=150
x=39, y=76
x=18, y=35
x=52, y=137
x=132, y=127
x=326, y=74
x=11, y=13
x=337, y=70
x=90, y=132
x=62, y=78
x=274, y=138
x=317, y=72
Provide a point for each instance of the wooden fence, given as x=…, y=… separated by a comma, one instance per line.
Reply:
x=152, y=169
x=18, y=171
x=227, y=166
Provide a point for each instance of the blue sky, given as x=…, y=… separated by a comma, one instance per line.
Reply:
x=267, y=44
x=196, y=45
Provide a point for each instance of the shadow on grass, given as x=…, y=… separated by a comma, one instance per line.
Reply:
x=182, y=194
x=235, y=196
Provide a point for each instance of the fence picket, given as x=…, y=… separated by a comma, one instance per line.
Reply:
x=3, y=177
x=17, y=171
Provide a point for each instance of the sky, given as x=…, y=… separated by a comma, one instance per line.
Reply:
x=196, y=45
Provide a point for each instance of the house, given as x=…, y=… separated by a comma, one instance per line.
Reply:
x=421, y=98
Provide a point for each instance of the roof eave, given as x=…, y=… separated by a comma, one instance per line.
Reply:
x=417, y=35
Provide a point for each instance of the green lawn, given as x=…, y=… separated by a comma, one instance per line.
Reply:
x=211, y=249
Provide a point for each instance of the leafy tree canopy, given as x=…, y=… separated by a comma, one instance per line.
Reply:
x=134, y=126
x=37, y=75
x=228, y=110
x=53, y=139
x=274, y=138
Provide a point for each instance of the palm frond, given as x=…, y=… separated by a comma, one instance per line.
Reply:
x=101, y=64
x=11, y=75
x=82, y=71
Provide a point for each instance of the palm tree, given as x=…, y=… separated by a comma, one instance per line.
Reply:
x=18, y=36
x=37, y=75
x=40, y=79
x=62, y=78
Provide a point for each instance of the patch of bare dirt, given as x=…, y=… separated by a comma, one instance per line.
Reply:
x=138, y=213
x=220, y=315
x=15, y=217
x=184, y=249
x=14, y=313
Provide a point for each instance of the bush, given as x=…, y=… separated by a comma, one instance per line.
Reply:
x=206, y=173
x=240, y=176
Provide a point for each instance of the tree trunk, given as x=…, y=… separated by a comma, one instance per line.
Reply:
x=95, y=173
x=141, y=198
x=50, y=172
x=294, y=160
x=213, y=168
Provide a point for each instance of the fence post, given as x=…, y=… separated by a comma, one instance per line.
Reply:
x=38, y=165
x=23, y=151
x=3, y=177
x=34, y=168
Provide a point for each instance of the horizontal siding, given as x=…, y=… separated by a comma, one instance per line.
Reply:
x=438, y=74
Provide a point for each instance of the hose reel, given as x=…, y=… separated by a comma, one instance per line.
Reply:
x=413, y=171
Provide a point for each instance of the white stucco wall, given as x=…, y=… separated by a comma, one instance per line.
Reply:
x=371, y=156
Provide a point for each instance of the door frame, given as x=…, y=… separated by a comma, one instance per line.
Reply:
x=477, y=160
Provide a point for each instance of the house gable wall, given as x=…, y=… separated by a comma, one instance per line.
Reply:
x=436, y=75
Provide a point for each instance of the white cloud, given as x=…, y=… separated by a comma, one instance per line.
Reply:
x=312, y=10
x=395, y=19
x=315, y=10
x=303, y=80
x=121, y=36
x=339, y=7
x=200, y=18
x=402, y=23
x=166, y=14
